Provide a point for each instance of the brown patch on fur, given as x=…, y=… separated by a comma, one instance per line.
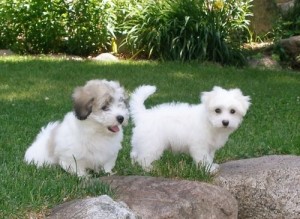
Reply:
x=83, y=103
x=91, y=97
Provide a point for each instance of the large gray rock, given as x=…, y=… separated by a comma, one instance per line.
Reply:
x=291, y=45
x=161, y=198
x=285, y=5
x=102, y=207
x=266, y=187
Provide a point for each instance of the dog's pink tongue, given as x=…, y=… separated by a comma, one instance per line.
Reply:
x=114, y=128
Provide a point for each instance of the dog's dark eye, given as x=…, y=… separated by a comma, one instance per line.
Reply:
x=104, y=108
x=218, y=110
x=232, y=111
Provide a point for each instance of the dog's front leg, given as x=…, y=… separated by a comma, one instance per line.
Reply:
x=203, y=157
x=109, y=165
x=74, y=168
x=214, y=168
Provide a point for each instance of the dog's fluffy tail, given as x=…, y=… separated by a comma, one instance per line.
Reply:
x=39, y=153
x=138, y=98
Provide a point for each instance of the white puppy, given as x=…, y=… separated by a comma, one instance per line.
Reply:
x=90, y=137
x=195, y=129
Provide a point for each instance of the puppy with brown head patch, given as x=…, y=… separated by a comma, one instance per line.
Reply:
x=88, y=138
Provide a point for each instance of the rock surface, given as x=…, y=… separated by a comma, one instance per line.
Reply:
x=291, y=45
x=285, y=5
x=101, y=207
x=266, y=187
x=266, y=62
x=6, y=52
x=161, y=198
x=106, y=57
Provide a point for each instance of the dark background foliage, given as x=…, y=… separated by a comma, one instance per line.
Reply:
x=157, y=29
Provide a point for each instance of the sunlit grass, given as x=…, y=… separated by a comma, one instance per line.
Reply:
x=36, y=90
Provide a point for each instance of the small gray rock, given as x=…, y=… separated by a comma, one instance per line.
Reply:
x=6, y=52
x=102, y=207
x=107, y=57
x=265, y=62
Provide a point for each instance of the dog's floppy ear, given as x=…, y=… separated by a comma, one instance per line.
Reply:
x=83, y=103
x=206, y=96
x=244, y=100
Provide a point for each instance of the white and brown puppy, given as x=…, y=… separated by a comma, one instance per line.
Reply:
x=88, y=138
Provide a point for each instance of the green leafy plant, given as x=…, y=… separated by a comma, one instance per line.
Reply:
x=187, y=30
x=77, y=27
x=90, y=26
x=31, y=26
x=289, y=23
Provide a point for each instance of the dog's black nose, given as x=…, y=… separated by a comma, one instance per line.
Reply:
x=225, y=123
x=120, y=119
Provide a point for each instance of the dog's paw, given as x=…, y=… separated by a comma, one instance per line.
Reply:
x=214, y=168
x=82, y=175
x=112, y=173
x=147, y=168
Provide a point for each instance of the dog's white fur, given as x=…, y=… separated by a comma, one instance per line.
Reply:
x=195, y=129
x=88, y=138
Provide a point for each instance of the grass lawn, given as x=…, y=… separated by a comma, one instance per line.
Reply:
x=34, y=91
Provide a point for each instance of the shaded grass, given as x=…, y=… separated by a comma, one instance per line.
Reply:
x=34, y=91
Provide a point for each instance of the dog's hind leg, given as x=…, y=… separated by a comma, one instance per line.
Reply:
x=147, y=155
x=204, y=157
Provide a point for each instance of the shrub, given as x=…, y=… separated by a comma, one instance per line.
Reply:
x=30, y=26
x=79, y=27
x=289, y=23
x=167, y=29
x=188, y=29
x=90, y=26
